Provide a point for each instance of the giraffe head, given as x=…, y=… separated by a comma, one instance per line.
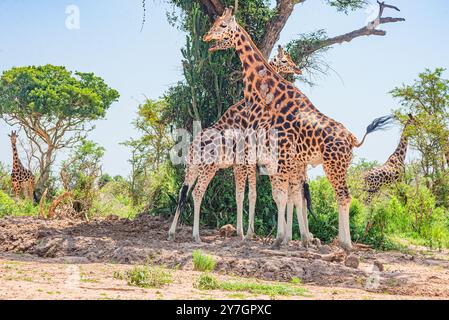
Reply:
x=13, y=137
x=283, y=63
x=222, y=31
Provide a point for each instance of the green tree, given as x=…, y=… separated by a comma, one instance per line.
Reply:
x=428, y=100
x=149, y=151
x=81, y=172
x=54, y=106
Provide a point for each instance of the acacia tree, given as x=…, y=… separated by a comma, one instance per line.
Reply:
x=54, y=106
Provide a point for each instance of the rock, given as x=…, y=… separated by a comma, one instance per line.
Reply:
x=325, y=249
x=352, y=261
x=379, y=265
x=227, y=231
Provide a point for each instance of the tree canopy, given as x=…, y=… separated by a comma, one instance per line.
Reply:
x=54, y=106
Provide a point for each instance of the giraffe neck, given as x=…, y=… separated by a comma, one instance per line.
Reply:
x=16, y=161
x=399, y=154
x=260, y=78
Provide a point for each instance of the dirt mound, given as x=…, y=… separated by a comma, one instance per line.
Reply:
x=145, y=238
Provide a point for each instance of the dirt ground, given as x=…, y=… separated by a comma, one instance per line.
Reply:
x=65, y=259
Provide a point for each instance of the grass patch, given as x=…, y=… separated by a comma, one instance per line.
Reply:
x=207, y=281
x=269, y=289
x=146, y=276
x=202, y=261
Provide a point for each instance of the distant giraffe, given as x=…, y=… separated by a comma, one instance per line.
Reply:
x=391, y=170
x=305, y=135
x=202, y=172
x=21, y=177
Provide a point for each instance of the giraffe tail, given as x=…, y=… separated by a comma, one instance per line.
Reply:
x=35, y=197
x=378, y=124
x=189, y=180
x=308, y=198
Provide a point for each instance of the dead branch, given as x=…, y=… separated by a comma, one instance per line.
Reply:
x=41, y=204
x=368, y=30
x=56, y=202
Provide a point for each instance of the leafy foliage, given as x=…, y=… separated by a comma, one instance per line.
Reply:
x=428, y=100
x=54, y=106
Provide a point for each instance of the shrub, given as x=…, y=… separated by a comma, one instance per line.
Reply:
x=206, y=281
x=202, y=261
x=8, y=207
x=148, y=277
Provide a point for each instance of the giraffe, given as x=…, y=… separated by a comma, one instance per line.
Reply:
x=202, y=173
x=21, y=177
x=391, y=170
x=304, y=134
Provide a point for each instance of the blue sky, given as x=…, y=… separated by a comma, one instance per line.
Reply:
x=137, y=64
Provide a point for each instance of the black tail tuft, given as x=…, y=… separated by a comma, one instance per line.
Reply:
x=381, y=123
x=308, y=198
x=36, y=198
x=182, y=197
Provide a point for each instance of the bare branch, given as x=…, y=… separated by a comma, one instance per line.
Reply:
x=369, y=30
x=284, y=9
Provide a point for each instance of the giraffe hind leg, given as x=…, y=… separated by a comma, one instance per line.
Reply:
x=198, y=194
x=240, y=184
x=252, y=196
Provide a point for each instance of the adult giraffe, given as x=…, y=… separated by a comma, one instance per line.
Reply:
x=391, y=170
x=21, y=178
x=202, y=171
x=305, y=135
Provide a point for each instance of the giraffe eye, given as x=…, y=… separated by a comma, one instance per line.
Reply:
x=223, y=25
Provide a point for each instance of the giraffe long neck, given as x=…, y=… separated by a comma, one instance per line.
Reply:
x=399, y=154
x=15, y=157
x=259, y=76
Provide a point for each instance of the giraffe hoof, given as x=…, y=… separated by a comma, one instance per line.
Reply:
x=197, y=240
x=346, y=246
x=171, y=237
x=248, y=237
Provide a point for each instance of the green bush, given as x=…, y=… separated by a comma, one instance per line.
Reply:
x=202, y=261
x=207, y=281
x=8, y=207
x=148, y=277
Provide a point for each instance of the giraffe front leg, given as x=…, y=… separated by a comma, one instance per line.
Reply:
x=305, y=215
x=16, y=190
x=306, y=239
x=289, y=225
x=252, y=195
x=240, y=184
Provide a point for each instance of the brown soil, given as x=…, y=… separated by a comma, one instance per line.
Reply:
x=59, y=247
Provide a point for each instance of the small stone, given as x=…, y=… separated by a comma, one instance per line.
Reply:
x=379, y=265
x=352, y=261
x=227, y=231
